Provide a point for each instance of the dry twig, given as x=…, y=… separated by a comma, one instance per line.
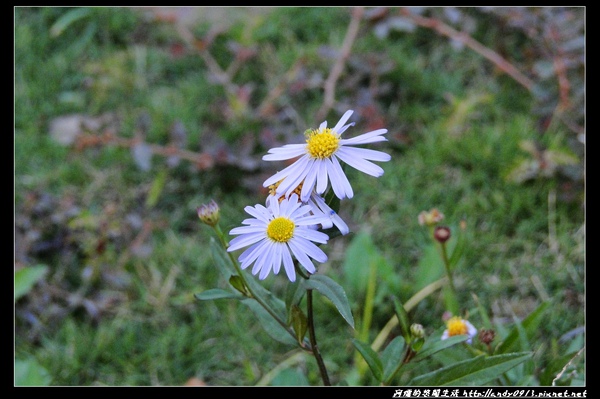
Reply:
x=473, y=44
x=340, y=62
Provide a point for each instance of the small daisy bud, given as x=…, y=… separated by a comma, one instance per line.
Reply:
x=487, y=336
x=209, y=213
x=417, y=330
x=430, y=218
x=441, y=234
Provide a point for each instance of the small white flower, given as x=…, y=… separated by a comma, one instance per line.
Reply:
x=319, y=160
x=277, y=232
x=458, y=326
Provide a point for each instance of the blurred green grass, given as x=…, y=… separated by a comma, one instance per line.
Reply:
x=117, y=306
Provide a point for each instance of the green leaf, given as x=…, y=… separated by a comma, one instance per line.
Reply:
x=217, y=293
x=67, y=19
x=271, y=326
x=293, y=294
x=529, y=326
x=476, y=371
x=299, y=322
x=238, y=283
x=370, y=357
x=432, y=346
x=402, y=318
x=221, y=259
x=334, y=292
x=27, y=277
x=29, y=372
x=290, y=377
x=392, y=356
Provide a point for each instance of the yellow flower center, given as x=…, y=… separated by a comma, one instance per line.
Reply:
x=456, y=326
x=322, y=143
x=281, y=229
x=273, y=190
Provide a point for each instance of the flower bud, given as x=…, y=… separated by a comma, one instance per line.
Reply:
x=209, y=213
x=430, y=218
x=487, y=336
x=441, y=234
x=417, y=330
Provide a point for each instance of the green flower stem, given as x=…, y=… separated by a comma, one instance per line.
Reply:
x=254, y=296
x=447, y=266
x=313, y=339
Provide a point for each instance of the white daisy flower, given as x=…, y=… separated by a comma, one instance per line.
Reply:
x=458, y=326
x=277, y=232
x=319, y=160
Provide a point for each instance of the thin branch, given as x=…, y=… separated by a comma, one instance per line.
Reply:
x=340, y=62
x=266, y=106
x=473, y=44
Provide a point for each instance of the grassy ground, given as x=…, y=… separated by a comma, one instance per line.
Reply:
x=166, y=112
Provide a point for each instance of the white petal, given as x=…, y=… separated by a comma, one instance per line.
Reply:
x=263, y=258
x=322, y=178
x=342, y=120
x=339, y=223
x=276, y=260
x=301, y=256
x=365, y=153
x=244, y=240
x=336, y=172
x=311, y=249
x=286, y=152
x=312, y=235
x=252, y=253
x=297, y=172
x=247, y=229
x=309, y=180
x=365, y=138
x=363, y=165
x=259, y=212
x=288, y=264
x=282, y=174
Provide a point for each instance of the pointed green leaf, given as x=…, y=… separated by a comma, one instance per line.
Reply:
x=334, y=292
x=370, y=357
x=27, y=277
x=272, y=327
x=432, y=346
x=238, y=283
x=391, y=357
x=402, y=318
x=476, y=371
x=530, y=325
x=221, y=259
x=293, y=294
x=299, y=322
x=217, y=293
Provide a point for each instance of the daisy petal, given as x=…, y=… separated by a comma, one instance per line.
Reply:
x=363, y=165
x=342, y=121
